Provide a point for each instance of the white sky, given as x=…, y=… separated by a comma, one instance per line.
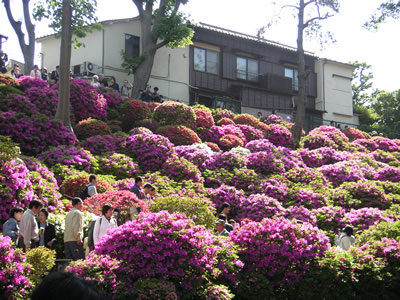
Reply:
x=379, y=49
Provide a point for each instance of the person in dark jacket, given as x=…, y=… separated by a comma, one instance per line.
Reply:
x=137, y=188
x=147, y=95
x=47, y=231
x=113, y=84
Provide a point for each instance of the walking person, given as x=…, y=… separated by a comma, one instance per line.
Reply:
x=28, y=226
x=346, y=239
x=47, y=231
x=90, y=189
x=11, y=226
x=104, y=223
x=73, y=234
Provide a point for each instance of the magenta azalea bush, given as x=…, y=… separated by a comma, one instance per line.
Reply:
x=175, y=113
x=119, y=165
x=45, y=99
x=99, y=145
x=14, y=282
x=179, y=251
x=91, y=127
x=18, y=104
x=325, y=136
x=288, y=249
x=27, y=82
x=257, y=207
x=199, y=157
x=279, y=135
x=150, y=150
x=204, y=118
x=178, y=168
x=179, y=135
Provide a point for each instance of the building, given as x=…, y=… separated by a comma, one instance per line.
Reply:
x=222, y=68
x=335, y=96
x=102, y=54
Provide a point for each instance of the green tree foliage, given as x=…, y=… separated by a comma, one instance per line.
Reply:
x=362, y=83
x=387, y=106
x=161, y=25
x=388, y=9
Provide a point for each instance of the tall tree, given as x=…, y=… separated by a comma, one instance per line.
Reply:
x=161, y=25
x=74, y=18
x=309, y=14
x=362, y=82
x=28, y=49
x=388, y=9
x=387, y=106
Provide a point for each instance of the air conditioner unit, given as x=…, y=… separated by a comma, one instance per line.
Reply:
x=90, y=67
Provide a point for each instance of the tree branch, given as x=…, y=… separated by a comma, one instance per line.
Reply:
x=293, y=6
x=162, y=44
x=139, y=5
x=160, y=13
x=309, y=2
x=30, y=28
x=16, y=25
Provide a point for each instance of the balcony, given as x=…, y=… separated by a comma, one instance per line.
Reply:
x=276, y=83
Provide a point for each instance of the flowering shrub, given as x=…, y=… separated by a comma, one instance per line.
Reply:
x=140, y=130
x=227, y=161
x=214, y=147
x=273, y=119
x=14, y=283
x=250, y=133
x=363, y=218
x=175, y=113
x=264, y=163
x=112, y=97
x=220, y=113
x=204, y=118
x=152, y=288
x=305, y=198
x=15, y=186
x=388, y=173
x=360, y=194
x=252, y=121
x=74, y=184
x=229, y=141
x=225, y=121
x=118, y=165
x=86, y=102
x=17, y=103
x=44, y=184
x=240, y=151
x=272, y=187
x=227, y=194
x=179, y=135
x=198, y=208
x=288, y=251
x=148, y=123
x=279, y=135
x=322, y=156
x=260, y=145
x=27, y=82
x=103, y=271
x=181, y=252
x=325, y=136
x=41, y=260
x=242, y=178
x=122, y=200
x=8, y=80
x=201, y=158
x=257, y=207
x=300, y=214
x=355, y=134
x=218, y=292
x=35, y=134
x=79, y=158
x=91, y=127
x=45, y=99
x=330, y=218
x=133, y=110
x=99, y=145
x=150, y=150
x=178, y=168
x=379, y=231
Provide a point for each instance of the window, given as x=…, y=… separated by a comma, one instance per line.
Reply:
x=293, y=74
x=206, y=60
x=132, y=45
x=246, y=69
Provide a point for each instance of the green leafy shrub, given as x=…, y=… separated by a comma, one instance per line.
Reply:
x=42, y=260
x=175, y=113
x=152, y=288
x=199, y=207
x=379, y=231
x=91, y=127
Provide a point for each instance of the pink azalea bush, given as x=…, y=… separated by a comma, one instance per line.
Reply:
x=132, y=111
x=112, y=97
x=27, y=82
x=260, y=145
x=204, y=118
x=225, y=121
x=252, y=121
x=279, y=135
x=325, y=136
x=18, y=104
x=178, y=168
x=229, y=141
x=153, y=288
x=179, y=135
x=264, y=163
x=140, y=130
x=289, y=249
x=197, y=156
x=14, y=282
x=250, y=133
x=363, y=218
x=227, y=194
x=45, y=99
x=219, y=113
x=257, y=207
x=151, y=151
x=119, y=165
x=355, y=134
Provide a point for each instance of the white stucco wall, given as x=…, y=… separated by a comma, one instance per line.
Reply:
x=335, y=92
x=170, y=70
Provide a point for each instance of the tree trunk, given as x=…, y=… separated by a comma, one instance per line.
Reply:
x=63, y=107
x=28, y=50
x=142, y=74
x=301, y=99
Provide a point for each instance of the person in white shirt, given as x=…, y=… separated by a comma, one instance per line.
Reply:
x=28, y=227
x=95, y=81
x=104, y=223
x=35, y=73
x=346, y=239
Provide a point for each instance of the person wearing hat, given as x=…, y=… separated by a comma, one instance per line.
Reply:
x=95, y=81
x=346, y=239
x=220, y=228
